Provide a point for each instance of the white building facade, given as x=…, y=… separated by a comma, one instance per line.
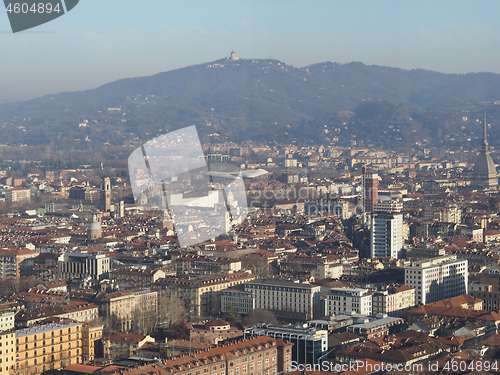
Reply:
x=386, y=235
x=340, y=300
x=437, y=278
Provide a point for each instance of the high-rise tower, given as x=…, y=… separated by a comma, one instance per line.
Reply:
x=370, y=190
x=105, y=202
x=485, y=171
x=386, y=234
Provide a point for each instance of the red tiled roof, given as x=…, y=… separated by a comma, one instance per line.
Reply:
x=126, y=337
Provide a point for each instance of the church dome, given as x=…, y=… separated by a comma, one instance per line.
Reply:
x=94, y=230
x=95, y=226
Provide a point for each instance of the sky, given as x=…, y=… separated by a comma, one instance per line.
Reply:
x=100, y=41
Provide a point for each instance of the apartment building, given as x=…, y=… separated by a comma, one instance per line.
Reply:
x=319, y=267
x=118, y=304
x=437, y=278
x=18, y=195
x=90, y=335
x=288, y=299
x=48, y=347
x=138, y=277
x=145, y=298
x=258, y=355
x=340, y=300
x=202, y=295
x=16, y=263
x=237, y=300
x=7, y=352
x=393, y=301
x=206, y=264
x=488, y=290
x=78, y=311
x=6, y=319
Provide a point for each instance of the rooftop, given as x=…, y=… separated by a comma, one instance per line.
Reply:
x=45, y=328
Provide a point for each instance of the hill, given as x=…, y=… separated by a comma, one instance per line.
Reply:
x=263, y=100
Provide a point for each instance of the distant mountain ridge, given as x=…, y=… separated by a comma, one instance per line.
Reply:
x=261, y=100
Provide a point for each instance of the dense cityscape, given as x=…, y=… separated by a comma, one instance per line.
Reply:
x=350, y=260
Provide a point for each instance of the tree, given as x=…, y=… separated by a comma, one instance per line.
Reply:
x=171, y=310
x=230, y=314
x=111, y=325
x=261, y=316
x=11, y=286
x=257, y=264
x=144, y=318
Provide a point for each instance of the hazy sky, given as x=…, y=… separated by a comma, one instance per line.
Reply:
x=104, y=40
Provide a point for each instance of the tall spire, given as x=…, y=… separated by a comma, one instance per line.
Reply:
x=485, y=171
x=485, y=136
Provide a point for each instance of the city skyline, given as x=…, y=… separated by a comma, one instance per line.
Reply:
x=93, y=45
x=229, y=211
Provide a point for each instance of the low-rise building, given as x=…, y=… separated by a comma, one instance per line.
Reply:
x=124, y=345
x=82, y=264
x=465, y=306
x=309, y=344
x=214, y=332
x=404, y=348
x=375, y=326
